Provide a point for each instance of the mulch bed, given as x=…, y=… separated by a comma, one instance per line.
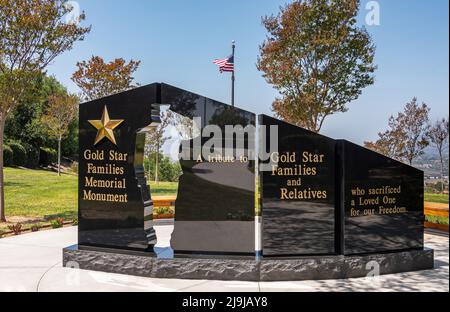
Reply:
x=42, y=228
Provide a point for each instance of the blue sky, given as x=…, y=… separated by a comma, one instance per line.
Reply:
x=177, y=40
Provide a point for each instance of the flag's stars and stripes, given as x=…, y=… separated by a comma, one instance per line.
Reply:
x=226, y=64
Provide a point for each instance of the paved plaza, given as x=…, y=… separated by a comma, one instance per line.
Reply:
x=33, y=262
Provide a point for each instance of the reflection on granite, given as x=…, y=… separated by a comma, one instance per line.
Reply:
x=233, y=237
x=298, y=227
x=370, y=234
x=215, y=203
x=163, y=252
x=201, y=199
x=116, y=238
x=366, y=170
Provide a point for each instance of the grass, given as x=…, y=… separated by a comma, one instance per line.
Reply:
x=164, y=188
x=38, y=196
x=436, y=198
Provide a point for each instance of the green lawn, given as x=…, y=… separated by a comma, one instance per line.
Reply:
x=40, y=194
x=436, y=198
x=164, y=188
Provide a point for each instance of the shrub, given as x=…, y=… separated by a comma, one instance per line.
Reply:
x=57, y=223
x=35, y=227
x=32, y=156
x=8, y=156
x=437, y=220
x=47, y=156
x=15, y=228
x=163, y=211
x=19, y=154
x=168, y=171
x=1, y=233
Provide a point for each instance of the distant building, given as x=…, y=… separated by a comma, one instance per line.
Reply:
x=424, y=166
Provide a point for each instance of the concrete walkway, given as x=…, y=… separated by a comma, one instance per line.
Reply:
x=32, y=262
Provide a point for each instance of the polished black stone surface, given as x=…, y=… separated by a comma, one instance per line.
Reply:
x=116, y=171
x=215, y=206
x=215, y=203
x=322, y=197
x=385, y=222
x=294, y=225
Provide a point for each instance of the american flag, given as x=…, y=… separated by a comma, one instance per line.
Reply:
x=225, y=65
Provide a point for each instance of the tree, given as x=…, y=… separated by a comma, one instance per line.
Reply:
x=98, y=79
x=317, y=58
x=24, y=122
x=32, y=34
x=414, y=124
x=405, y=140
x=155, y=140
x=390, y=143
x=61, y=112
x=169, y=171
x=185, y=126
x=438, y=135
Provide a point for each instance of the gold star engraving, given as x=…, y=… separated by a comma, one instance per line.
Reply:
x=105, y=127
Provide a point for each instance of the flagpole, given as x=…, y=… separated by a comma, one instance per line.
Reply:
x=233, y=78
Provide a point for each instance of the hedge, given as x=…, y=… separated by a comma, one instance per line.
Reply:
x=32, y=156
x=8, y=156
x=19, y=154
x=47, y=156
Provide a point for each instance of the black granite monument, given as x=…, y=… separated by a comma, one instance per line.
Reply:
x=325, y=196
x=328, y=207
